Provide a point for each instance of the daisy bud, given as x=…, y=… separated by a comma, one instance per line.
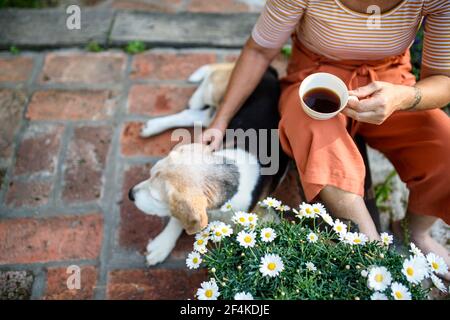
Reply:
x=347, y=267
x=356, y=298
x=282, y=293
x=381, y=255
x=357, y=267
x=224, y=284
x=213, y=270
x=239, y=267
x=242, y=254
x=298, y=291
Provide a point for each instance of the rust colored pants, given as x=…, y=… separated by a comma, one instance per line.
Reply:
x=417, y=143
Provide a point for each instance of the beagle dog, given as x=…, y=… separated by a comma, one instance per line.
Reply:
x=192, y=183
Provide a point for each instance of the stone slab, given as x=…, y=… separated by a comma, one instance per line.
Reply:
x=183, y=29
x=46, y=28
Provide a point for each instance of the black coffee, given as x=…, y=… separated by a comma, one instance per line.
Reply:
x=322, y=100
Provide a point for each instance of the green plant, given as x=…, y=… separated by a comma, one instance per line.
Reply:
x=135, y=47
x=304, y=259
x=287, y=51
x=383, y=191
x=93, y=46
x=14, y=50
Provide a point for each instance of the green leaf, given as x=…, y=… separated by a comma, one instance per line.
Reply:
x=93, y=46
x=135, y=47
x=14, y=50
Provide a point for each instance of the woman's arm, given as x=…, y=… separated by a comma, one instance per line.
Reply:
x=274, y=26
x=435, y=88
x=248, y=72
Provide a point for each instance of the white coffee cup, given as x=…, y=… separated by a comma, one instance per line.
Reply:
x=327, y=81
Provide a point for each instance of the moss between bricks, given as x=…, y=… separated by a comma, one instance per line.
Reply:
x=15, y=285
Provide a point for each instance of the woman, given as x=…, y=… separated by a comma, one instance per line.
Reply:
x=395, y=115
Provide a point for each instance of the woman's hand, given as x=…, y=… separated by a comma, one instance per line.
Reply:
x=378, y=100
x=213, y=136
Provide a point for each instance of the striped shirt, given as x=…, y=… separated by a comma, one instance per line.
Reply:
x=329, y=28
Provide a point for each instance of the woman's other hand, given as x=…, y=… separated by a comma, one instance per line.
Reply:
x=213, y=135
x=378, y=100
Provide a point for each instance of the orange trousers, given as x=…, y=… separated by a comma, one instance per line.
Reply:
x=417, y=143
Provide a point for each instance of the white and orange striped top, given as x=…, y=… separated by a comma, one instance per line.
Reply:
x=329, y=28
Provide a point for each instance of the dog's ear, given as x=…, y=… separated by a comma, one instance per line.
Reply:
x=189, y=207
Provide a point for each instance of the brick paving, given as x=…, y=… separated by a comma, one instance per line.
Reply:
x=70, y=150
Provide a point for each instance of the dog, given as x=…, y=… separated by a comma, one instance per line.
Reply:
x=192, y=184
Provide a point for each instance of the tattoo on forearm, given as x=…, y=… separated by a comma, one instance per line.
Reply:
x=417, y=98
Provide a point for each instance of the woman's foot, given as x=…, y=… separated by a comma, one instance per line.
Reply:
x=424, y=242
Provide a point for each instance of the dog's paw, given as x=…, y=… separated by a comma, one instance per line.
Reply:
x=150, y=129
x=157, y=252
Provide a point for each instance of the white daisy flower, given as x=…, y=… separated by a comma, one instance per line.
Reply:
x=340, y=227
x=216, y=235
x=226, y=230
x=327, y=218
x=193, y=260
x=400, y=292
x=271, y=203
x=212, y=226
x=415, y=250
x=268, y=234
x=246, y=239
x=312, y=237
x=252, y=219
x=226, y=207
x=240, y=217
x=319, y=209
x=348, y=237
x=208, y=291
x=386, y=239
x=415, y=269
x=283, y=208
x=438, y=283
x=200, y=244
x=437, y=263
x=310, y=266
x=379, y=278
x=359, y=239
x=271, y=265
x=378, y=296
x=201, y=250
x=307, y=211
x=202, y=235
x=243, y=296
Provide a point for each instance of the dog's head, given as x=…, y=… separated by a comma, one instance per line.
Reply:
x=185, y=184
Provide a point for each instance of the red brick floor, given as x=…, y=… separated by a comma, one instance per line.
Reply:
x=70, y=150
